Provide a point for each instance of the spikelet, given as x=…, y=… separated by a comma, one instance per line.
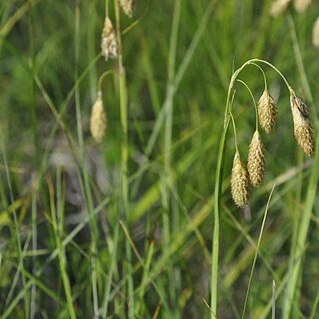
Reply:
x=98, y=119
x=302, y=127
x=315, y=33
x=240, y=187
x=278, y=7
x=128, y=7
x=256, y=160
x=302, y=5
x=267, y=111
x=108, y=41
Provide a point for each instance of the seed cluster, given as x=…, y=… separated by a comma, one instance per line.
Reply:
x=267, y=111
x=242, y=179
x=240, y=185
x=109, y=50
x=128, y=7
x=256, y=160
x=109, y=45
x=302, y=127
x=98, y=119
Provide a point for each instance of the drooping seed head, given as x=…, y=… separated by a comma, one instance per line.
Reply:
x=128, y=7
x=256, y=160
x=302, y=127
x=302, y=5
x=278, y=7
x=108, y=41
x=267, y=111
x=240, y=186
x=98, y=119
x=315, y=33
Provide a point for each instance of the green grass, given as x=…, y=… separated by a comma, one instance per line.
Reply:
x=143, y=225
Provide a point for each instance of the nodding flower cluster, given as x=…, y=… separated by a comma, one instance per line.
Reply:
x=109, y=50
x=98, y=119
x=244, y=179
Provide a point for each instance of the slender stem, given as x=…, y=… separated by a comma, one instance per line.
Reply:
x=298, y=57
x=168, y=217
x=291, y=91
x=257, y=249
x=263, y=73
x=106, y=8
x=62, y=262
x=219, y=179
x=124, y=158
x=33, y=291
x=254, y=101
x=103, y=76
x=273, y=299
x=16, y=231
x=235, y=132
x=83, y=174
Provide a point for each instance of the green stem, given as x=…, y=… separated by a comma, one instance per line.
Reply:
x=297, y=257
x=83, y=174
x=102, y=77
x=257, y=250
x=254, y=101
x=124, y=158
x=235, y=132
x=167, y=178
x=219, y=179
x=263, y=73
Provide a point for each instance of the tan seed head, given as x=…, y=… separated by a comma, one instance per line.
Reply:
x=267, y=111
x=256, y=160
x=302, y=127
x=108, y=41
x=278, y=7
x=302, y=5
x=315, y=33
x=98, y=119
x=128, y=7
x=240, y=186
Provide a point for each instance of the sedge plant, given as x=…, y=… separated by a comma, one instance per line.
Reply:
x=243, y=178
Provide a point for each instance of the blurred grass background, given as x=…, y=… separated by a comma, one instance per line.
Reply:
x=70, y=247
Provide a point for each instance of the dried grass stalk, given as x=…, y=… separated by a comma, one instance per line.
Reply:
x=109, y=46
x=267, y=111
x=302, y=127
x=98, y=119
x=256, y=160
x=240, y=186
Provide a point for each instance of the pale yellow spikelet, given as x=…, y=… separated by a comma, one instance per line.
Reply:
x=301, y=5
x=108, y=41
x=240, y=186
x=267, y=111
x=315, y=33
x=256, y=160
x=98, y=119
x=278, y=7
x=128, y=7
x=302, y=127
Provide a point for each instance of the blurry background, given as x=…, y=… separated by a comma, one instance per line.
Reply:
x=69, y=244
